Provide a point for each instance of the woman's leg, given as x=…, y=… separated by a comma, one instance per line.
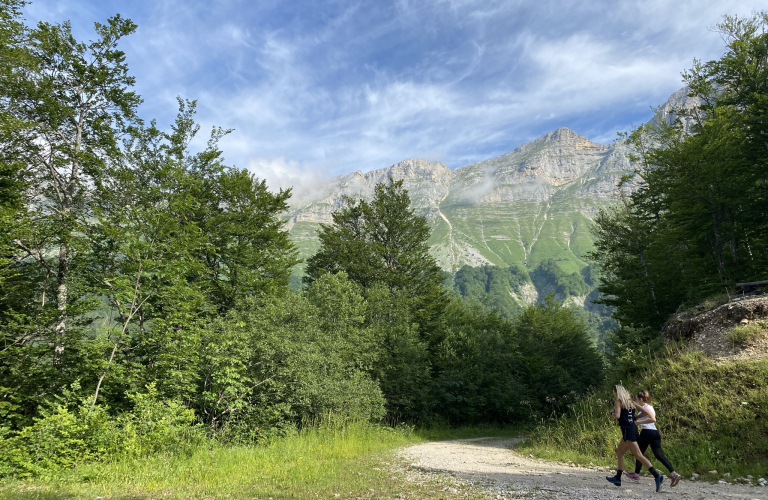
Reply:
x=642, y=443
x=656, y=449
x=635, y=450
x=620, y=451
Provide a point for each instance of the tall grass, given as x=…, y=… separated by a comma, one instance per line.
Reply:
x=711, y=417
x=319, y=462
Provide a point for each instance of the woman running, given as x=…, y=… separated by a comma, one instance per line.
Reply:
x=649, y=435
x=624, y=412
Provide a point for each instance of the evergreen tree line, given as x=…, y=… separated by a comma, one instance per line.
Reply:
x=697, y=224
x=144, y=286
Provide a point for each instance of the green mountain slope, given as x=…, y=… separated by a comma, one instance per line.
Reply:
x=532, y=205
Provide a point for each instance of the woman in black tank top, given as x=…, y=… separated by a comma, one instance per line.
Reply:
x=624, y=413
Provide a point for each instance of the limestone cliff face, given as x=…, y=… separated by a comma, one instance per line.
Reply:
x=427, y=183
x=537, y=170
x=534, y=203
x=679, y=101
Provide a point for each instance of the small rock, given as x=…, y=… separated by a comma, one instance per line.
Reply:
x=694, y=476
x=721, y=482
x=727, y=474
x=749, y=477
x=712, y=472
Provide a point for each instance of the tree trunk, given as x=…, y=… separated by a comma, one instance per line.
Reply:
x=61, y=299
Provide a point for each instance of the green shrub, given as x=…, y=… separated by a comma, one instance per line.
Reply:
x=60, y=439
x=64, y=437
x=155, y=425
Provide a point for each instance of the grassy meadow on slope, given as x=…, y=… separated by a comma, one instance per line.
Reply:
x=711, y=415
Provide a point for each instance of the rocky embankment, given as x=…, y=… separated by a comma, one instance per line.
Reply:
x=710, y=329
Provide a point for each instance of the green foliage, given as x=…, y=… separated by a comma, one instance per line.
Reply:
x=403, y=368
x=696, y=225
x=549, y=277
x=64, y=437
x=559, y=359
x=383, y=242
x=493, y=286
x=710, y=415
x=493, y=370
x=506, y=291
x=291, y=359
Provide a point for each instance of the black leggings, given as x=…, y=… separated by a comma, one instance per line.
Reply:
x=652, y=438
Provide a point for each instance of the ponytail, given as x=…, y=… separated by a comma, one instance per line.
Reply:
x=644, y=395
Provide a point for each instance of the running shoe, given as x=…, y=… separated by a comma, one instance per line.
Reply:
x=675, y=478
x=659, y=480
x=613, y=479
x=631, y=475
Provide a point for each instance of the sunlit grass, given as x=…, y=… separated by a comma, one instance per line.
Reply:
x=354, y=461
x=315, y=463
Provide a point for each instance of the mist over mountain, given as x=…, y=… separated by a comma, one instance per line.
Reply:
x=530, y=206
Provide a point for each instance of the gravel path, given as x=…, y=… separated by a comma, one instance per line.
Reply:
x=504, y=473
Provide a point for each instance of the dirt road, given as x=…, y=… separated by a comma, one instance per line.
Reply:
x=504, y=473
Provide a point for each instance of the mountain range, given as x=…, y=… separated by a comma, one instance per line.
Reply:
x=532, y=205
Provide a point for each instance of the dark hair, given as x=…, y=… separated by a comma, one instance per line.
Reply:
x=644, y=395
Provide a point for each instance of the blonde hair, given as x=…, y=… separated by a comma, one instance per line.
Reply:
x=623, y=397
x=644, y=396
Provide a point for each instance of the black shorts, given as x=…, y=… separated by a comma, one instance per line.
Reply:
x=629, y=433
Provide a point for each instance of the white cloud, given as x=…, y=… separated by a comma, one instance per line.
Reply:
x=315, y=90
x=307, y=183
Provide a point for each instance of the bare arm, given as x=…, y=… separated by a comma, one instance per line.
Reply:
x=616, y=413
x=648, y=416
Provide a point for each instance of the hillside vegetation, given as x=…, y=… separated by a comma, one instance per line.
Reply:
x=710, y=415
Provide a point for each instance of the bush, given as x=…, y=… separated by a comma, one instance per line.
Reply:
x=64, y=437
x=60, y=439
x=156, y=425
x=296, y=358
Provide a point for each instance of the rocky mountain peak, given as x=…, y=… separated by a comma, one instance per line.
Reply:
x=679, y=101
x=534, y=203
x=563, y=135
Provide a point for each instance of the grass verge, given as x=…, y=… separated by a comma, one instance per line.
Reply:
x=711, y=417
x=352, y=462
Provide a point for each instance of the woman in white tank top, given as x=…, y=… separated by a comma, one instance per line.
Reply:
x=650, y=436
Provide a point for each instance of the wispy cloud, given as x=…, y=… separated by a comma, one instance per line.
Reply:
x=314, y=89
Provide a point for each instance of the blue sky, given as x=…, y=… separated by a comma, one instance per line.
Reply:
x=321, y=88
